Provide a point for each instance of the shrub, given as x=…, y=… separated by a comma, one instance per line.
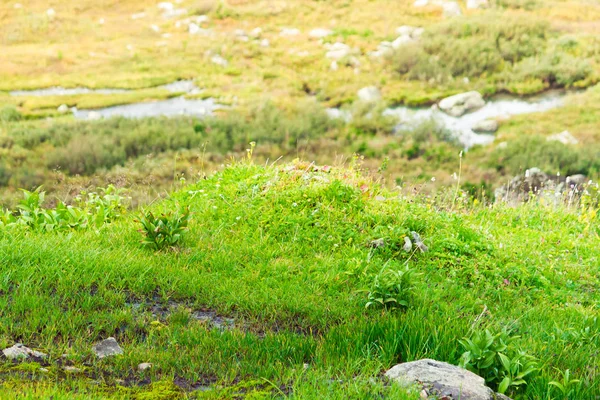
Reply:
x=472, y=47
x=9, y=114
x=535, y=151
x=391, y=288
x=496, y=358
x=164, y=231
x=86, y=154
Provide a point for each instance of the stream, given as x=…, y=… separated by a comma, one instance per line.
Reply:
x=498, y=108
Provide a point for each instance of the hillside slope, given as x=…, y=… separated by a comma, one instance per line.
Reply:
x=265, y=296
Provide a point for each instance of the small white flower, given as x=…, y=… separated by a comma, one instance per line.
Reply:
x=294, y=205
x=214, y=207
x=433, y=179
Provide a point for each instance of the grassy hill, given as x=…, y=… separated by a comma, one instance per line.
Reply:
x=265, y=294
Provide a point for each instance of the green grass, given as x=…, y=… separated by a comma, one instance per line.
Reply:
x=284, y=251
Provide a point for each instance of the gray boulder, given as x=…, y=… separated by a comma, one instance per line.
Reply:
x=436, y=379
x=21, y=352
x=462, y=103
x=107, y=347
x=486, y=126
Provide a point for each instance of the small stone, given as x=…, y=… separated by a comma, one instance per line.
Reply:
x=72, y=370
x=265, y=43
x=256, y=33
x=377, y=243
x=63, y=109
x=18, y=5
x=287, y=32
x=475, y=4
x=320, y=33
x=51, y=13
x=218, y=60
x=138, y=15
x=486, y=126
x=193, y=29
x=144, y=366
x=401, y=41
x=419, y=242
x=334, y=66
x=407, y=244
x=155, y=28
x=369, y=94
x=21, y=352
x=338, y=50
x=107, y=347
x=44, y=370
x=165, y=6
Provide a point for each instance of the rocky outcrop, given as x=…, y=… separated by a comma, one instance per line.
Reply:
x=462, y=103
x=440, y=380
x=536, y=183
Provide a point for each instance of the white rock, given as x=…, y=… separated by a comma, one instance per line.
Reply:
x=320, y=33
x=166, y=35
x=565, y=137
x=166, y=6
x=338, y=51
x=474, y=4
x=462, y=103
x=51, y=13
x=178, y=12
x=200, y=19
x=144, y=366
x=334, y=66
x=239, y=32
x=369, y=94
x=139, y=15
x=384, y=49
x=20, y=352
x=129, y=47
x=256, y=33
x=451, y=9
x=106, y=348
x=18, y=5
x=63, y=109
x=155, y=28
x=405, y=30
x=417, y=33
x=401, y=41
x=194, y=29
x=265, y=43
x=218, y=60
x=101, y=21
x=421, y=3
x=485, y=126
x=287, y=32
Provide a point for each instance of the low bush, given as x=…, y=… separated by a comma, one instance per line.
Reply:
x=550, y=156
x=163, y=231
